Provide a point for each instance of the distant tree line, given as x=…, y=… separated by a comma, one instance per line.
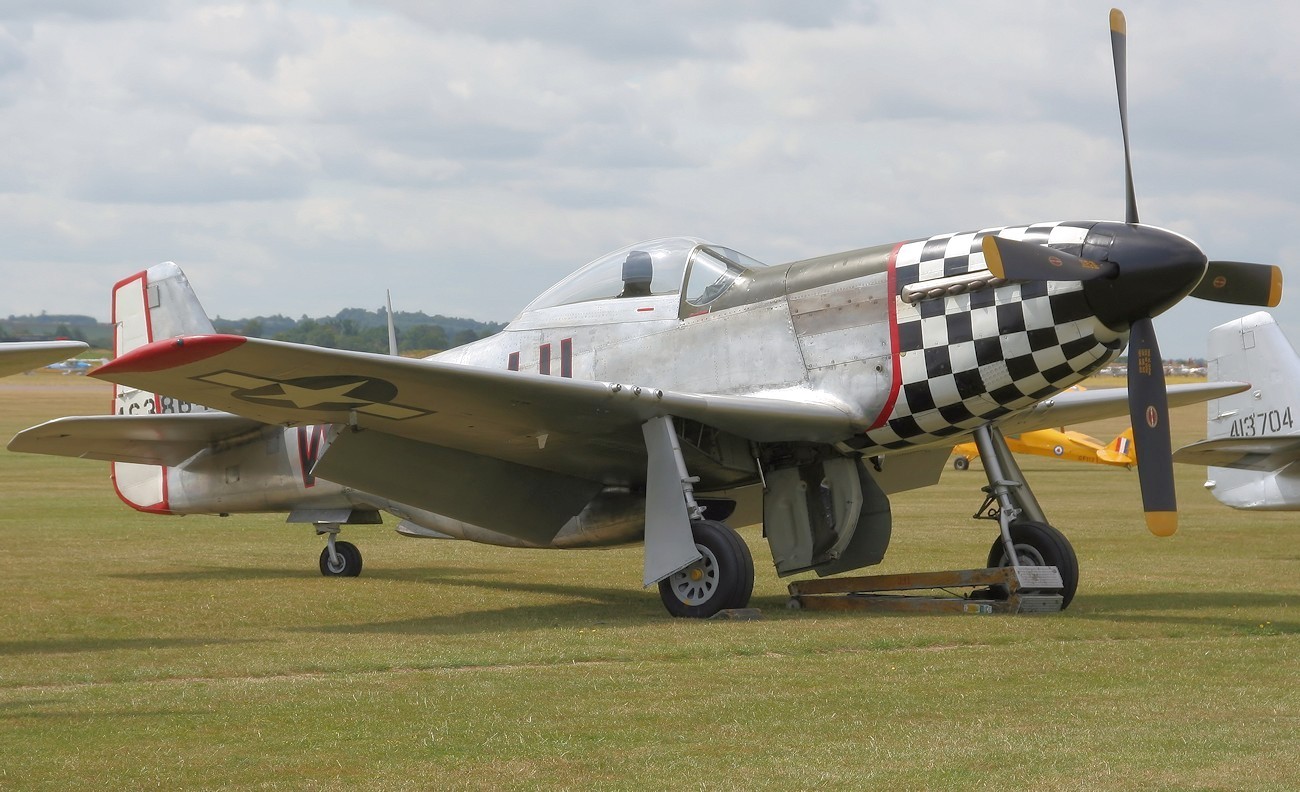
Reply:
x=365, y=331
x=352, y=328
x=45, y=327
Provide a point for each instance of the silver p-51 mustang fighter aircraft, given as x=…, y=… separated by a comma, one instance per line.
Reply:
x=640, y=397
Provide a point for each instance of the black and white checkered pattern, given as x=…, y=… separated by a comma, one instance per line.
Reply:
x=970, y=358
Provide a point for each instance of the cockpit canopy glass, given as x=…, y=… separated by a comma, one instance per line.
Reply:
x=653, y=268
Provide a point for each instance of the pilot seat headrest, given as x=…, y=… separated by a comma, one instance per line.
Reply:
x=638, y=267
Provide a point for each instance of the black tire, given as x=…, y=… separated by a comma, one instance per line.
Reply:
x=723, y=579
x=960, y=463
x=349, y=561
x=1039, y=544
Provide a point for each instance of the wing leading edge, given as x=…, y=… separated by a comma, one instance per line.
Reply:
x=17, y=357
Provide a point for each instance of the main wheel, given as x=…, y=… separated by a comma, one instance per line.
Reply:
x=1039, y=544
x=960, y=463
x=723, y=577
x=348, y=564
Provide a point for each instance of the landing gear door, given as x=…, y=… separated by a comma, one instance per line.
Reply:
x=825, y=515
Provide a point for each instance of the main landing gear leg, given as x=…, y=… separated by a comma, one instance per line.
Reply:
x=702, y=566
x=339, y=558
x=1026, y=538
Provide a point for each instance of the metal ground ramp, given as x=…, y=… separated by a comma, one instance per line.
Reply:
x=1022, y=589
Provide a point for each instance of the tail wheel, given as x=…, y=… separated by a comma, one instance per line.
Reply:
x=960, y=463
x=723, y=577
x=348, y=563
x=1039, y=544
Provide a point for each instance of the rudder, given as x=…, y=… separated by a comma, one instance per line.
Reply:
x=148, y=306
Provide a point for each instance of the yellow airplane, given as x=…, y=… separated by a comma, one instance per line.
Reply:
x=1062, y=444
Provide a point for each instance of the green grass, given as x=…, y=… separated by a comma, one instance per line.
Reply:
x=156, y=652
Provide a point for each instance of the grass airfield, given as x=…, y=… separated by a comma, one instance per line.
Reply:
x=162, y=652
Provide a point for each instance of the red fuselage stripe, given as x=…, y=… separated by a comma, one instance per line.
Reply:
x=896, y=378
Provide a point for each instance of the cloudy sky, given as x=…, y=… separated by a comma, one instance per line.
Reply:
x=302, y=157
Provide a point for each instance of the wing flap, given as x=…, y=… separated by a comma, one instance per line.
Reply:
x=141, y=439
x=525, y=502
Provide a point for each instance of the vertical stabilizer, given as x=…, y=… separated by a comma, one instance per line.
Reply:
x=1121, y=450
x=1252, y=349
x=1266, y=417
x=150, y=306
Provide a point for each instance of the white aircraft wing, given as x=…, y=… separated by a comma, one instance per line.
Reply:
x=143, y=439
x=21, y=356
x=582, y=429
x=1243, y=453
x=1072, y=407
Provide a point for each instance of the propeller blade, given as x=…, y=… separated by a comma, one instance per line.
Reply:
x=1025, y=261
x=1241, y=283
x=1148, y=407
x=1119, y=53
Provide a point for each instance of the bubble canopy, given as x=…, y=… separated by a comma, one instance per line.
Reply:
x=712, y=269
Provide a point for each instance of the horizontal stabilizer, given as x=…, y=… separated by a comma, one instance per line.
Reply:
x=142, y=439
x=1242, y=453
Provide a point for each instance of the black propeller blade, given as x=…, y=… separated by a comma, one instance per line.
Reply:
x=1012, y=260
x=1119, y=53
x=1241, y=283
x=1148, y=409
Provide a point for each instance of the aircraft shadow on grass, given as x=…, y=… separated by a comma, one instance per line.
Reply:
x=582, y=605
x=1201, y=608
x=209, y=573
x=56, y=709
x=93, y=644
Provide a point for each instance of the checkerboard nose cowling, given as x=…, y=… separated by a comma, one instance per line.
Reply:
x=1156, y=269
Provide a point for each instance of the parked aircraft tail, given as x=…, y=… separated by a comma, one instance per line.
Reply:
x=152, y=305
x=1121, y=450
x=1252, y=349
x=1253, y=438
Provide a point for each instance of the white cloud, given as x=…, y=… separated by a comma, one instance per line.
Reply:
x=291, y=155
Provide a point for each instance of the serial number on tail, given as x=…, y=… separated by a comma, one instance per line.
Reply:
x=1268, y=422
x=161, y=405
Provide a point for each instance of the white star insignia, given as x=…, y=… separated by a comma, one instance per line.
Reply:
x=304, y=398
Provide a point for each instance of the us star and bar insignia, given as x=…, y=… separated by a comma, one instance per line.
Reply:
x=365, y=395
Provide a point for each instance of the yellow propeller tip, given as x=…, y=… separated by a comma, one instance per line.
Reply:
x=1275, y=288
x=1162, y=523
x=1117, y=24
x=992, y=258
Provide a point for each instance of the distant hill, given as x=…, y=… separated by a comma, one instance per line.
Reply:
x=351, y=328
x=48, y=326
